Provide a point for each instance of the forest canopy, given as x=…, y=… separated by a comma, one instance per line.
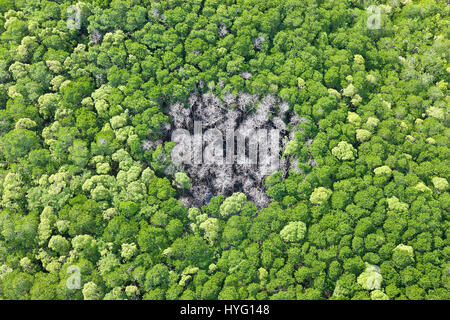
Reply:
x=92, y=206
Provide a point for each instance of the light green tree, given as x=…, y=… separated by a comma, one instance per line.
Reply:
x=128, y=250
x=320, y=195
x=59, y=244
x=440, y=184
x=383, y=171
x=293, y=232
x=378, y=295
x=211, y=229
x=91, y=291
x=395, y=204
x=182, y=180
x=363, y=135
x=422, y=187
x=403, y=255
x=344, y=151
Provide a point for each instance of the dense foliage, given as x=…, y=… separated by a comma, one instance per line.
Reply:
x=83, y=181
